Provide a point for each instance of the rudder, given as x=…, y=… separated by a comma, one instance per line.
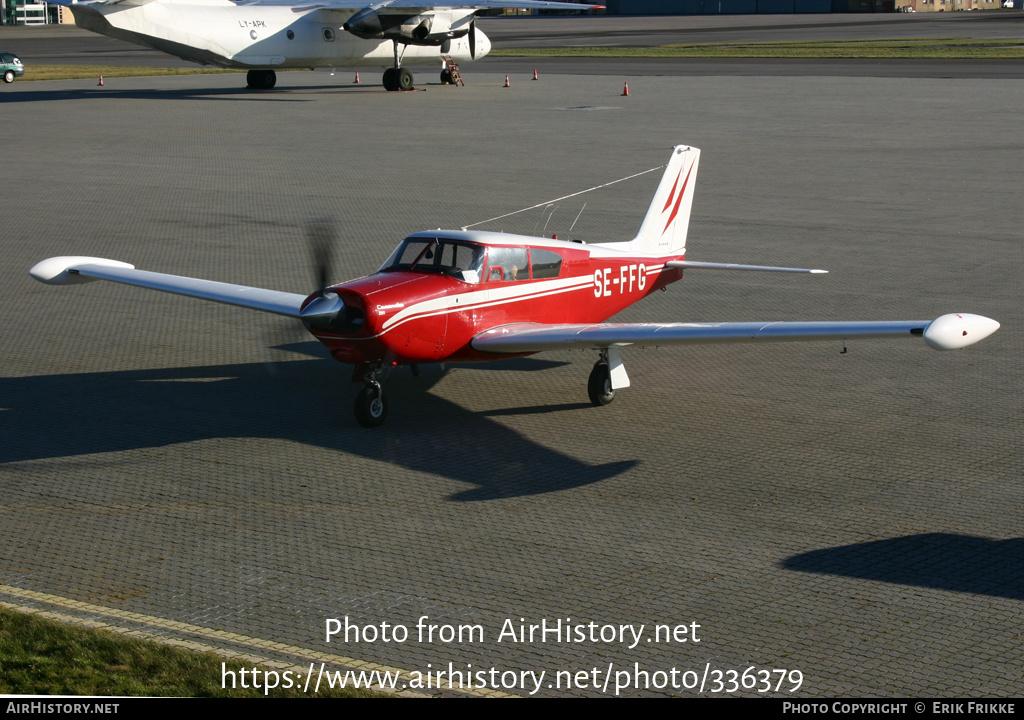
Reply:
x=663, y=230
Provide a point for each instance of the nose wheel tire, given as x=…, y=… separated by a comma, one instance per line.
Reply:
x=599, y=387
x=370, y=407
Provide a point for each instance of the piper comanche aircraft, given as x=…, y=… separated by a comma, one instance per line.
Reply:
x=458, y=295
x=262, y=36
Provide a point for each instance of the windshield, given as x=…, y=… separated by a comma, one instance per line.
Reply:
x=460, y=260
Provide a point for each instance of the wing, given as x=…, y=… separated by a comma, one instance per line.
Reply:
x=77, y=269
x=948, y=332
x=372, y=7
x=404, y=5
x=689, y=264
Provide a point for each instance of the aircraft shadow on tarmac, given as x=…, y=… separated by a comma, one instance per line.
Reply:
x=944, y=561
x=227, y=93
x=307, y=401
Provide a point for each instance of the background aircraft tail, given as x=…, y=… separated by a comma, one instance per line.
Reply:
x=663, y=231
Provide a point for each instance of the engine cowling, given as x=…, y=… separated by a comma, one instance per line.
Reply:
x=427, y=29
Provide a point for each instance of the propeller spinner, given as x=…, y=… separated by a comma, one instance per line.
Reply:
x=322, y=236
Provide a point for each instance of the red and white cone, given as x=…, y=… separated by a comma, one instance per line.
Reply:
x=625, y=90
x=507, y=83
x=101, y=81
x=357, y=78
x=535, y=74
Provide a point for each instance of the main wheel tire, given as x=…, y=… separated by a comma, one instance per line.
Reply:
x=404, y=79
x=9, y=76
x=371, y=408
x=446, y=77
x=389, y=79
x=599, y=387
x=260, y=79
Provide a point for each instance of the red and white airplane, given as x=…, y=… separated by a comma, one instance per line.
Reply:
x=457, y=295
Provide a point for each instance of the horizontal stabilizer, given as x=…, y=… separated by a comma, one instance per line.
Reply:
x=947, y=332
x=688, y=264
x=70, y=270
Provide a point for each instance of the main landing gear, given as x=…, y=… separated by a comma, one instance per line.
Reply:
x=398, y=77
x=599, y=386
x=608, y=375
x=261, y=79
x=371, y=408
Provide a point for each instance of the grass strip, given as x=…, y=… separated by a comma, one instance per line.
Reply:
x=39, y=656
x=83, y=72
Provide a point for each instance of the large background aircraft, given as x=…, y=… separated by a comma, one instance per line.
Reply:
x=463, y=295
x=262, y=36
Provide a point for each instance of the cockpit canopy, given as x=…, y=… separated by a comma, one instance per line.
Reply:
x=462, y=260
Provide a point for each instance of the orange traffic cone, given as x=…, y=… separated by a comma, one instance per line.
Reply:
x=625, y=90
x=357, y=78
x=507, y=83
x=535, y=74
x=101, y=81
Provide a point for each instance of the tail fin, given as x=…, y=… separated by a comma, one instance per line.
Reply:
x=663, y=231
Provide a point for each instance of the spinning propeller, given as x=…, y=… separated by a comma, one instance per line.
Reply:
x=322, y=236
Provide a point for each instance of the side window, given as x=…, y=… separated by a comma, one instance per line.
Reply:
x=507, y=264
x=545, y=263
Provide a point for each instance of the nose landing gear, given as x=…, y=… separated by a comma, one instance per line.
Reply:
x=371, y=409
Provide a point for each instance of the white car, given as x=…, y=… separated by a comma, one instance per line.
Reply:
x=10, y=66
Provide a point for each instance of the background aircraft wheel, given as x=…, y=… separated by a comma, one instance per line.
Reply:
x=371, y=408
x=389, y=79
x=446, y=77
x=9, y=76
x=261, y=79
x=403, y=78
x=599, y=387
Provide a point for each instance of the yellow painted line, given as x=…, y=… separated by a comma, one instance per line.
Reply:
x=208, y=633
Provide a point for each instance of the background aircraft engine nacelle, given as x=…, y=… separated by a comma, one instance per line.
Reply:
x=432, y=29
